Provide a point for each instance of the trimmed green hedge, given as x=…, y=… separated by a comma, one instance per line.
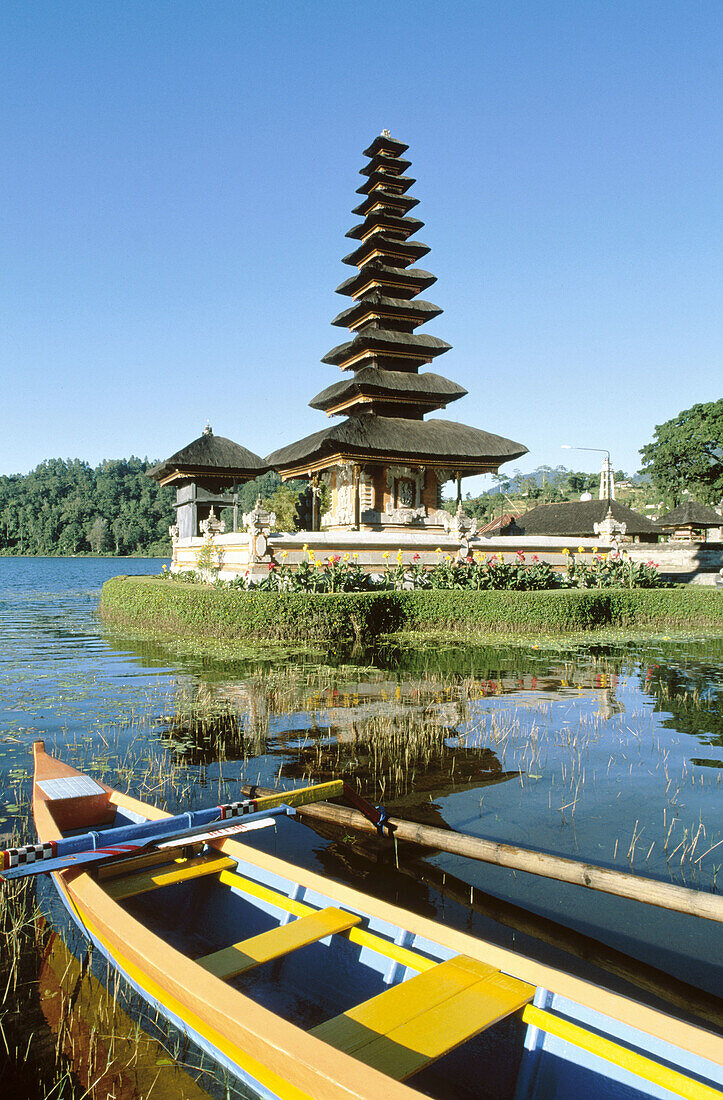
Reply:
x=168, y=607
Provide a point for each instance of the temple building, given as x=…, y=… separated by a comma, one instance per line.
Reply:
x=691, y=522
x=207, y=474
x=383, y=463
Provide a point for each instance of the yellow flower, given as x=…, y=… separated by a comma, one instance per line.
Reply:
x=319, y=564
x=594, y=549
x=438, y=550
x=284, y=553
x=304, y=548
x=355, y=556
x=385, y=554
x=345, y=558
x=565, y=550
x=399, y=556
x=581, y=549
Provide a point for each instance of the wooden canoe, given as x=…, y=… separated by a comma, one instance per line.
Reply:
x=305, y=989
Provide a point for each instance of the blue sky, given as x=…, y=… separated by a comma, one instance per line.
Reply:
x=177, y=180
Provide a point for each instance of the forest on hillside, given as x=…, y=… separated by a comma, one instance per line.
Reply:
x=66, y=507
x=69, y=507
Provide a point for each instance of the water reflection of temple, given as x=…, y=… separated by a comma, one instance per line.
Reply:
x=397, y=734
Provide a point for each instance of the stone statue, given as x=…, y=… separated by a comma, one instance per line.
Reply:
x=258, y=523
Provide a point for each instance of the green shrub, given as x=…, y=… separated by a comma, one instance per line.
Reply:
x=227, y=613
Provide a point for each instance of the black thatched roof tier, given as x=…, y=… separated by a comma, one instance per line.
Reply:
x=394, y=439
x=399, y=310
x=431, y=390
x=404, y=282
x=414, y=348
x=386, y=198
x=691, y=514
x=395, y=166
x=210, y=456
x=394, y=251
x=398, y=185
x=387, y=144
x=386, y=220
x=578, y=517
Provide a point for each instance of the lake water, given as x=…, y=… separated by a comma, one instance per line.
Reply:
x=608, y=754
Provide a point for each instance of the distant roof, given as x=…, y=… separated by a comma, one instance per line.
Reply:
x=373, y=382
x=577, y=517
x=691, y=514
x=210, y=455
x=499, y=523
x=382, y=438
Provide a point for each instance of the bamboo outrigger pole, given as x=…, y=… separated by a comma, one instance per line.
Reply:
x=666, y=895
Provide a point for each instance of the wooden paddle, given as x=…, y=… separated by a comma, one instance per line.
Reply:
x=97, y=847
x=681, y=899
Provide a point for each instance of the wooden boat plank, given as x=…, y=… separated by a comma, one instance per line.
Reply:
x=242, y=956
x=663, y=1076
x=360, y=936
x=131, y=885
x=410, y=1025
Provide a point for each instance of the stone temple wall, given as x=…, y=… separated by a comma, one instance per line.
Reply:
x=687, y=562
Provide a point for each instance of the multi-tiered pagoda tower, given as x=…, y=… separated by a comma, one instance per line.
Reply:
x=384, y=463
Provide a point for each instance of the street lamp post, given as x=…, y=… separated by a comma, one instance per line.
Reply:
x=607, y=481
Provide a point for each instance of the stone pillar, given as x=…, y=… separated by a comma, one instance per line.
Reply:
x=357, y=502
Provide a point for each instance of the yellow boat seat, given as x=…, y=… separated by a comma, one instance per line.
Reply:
x=141, y=882
x=230, y=961
x=412, y=1024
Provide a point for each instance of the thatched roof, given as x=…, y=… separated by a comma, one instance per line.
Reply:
x=414, y=311
x=372, y=382
x=394, y=248
x=412, y=279
x=394, y=439
x=577, y=518
x=210, y=456
x=387, y=142
x=416, y=347
x=403, y=183
x=398, y=202
x=691, y=514
x=387, y=220
x=384, y=160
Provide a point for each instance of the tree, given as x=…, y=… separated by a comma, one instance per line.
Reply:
x=687, y=453
x=98, y=535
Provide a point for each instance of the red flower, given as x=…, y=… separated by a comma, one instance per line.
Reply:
x=520, y=555
x=535, y=557
x=272, y=565
x=416, y=557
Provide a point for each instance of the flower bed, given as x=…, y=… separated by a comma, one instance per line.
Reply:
x=478, y=572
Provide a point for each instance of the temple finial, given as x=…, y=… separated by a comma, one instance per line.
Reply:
x=208, y=430
x=385, y=133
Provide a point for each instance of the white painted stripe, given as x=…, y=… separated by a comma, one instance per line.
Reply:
x=71, y=786
x=248, y=827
